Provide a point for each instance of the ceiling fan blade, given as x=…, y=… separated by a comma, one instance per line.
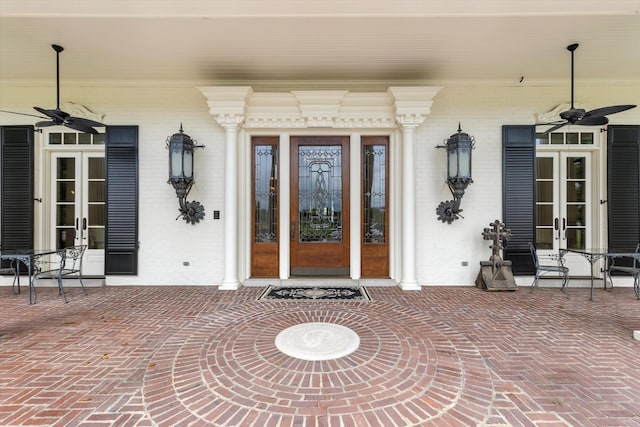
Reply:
x=83, y=122
x=593, y=121
x=56, y=115
x=21, y=114
x=554, y=128
x=45, y=124
x=605, y=111
x=81, y=128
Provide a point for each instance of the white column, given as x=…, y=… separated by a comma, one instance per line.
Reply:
x=230, y=280
x=228, y=107
x=412, y=106
x=284, y=200
x=408, y=281
x=355, y=205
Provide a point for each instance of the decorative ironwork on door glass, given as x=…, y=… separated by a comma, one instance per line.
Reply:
x=266, y=193
x=374, y=194
x=320, y=193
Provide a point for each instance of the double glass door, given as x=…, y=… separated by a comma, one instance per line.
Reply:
x=563, y=206
x=78, y=205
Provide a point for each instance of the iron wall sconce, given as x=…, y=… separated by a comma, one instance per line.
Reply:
x=181, y=148
x=459, y=148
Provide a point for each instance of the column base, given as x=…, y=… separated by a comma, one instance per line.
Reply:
x=229, y=286
x=410, y=286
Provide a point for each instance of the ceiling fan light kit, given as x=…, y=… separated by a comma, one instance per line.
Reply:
x=578, y=116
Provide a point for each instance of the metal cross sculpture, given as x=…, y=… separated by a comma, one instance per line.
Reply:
x=496, y=274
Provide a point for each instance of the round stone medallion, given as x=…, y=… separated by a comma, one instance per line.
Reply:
x=317, y=341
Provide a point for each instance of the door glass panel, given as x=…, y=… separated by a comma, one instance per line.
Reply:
x=65, y=214
x=96, y=238
x=575, y=167
x=544, y=238
x=320, y=193
x=265, y=195
x=374, y=195
x=66, y=167
x=65, y=201
x=545, y=191
x=65, y=237
x=95, y=203
x=66, y=191
x=544, y=168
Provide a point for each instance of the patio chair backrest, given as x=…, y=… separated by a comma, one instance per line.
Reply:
x=534, y=255
x=72, y=258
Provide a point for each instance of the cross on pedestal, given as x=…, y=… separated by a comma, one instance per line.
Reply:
x=497, y=233
x=496, y=274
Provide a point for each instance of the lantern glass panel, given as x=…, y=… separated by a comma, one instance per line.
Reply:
x=453, y=162
x=187, y=161
x=464, y=162
x=175, y=160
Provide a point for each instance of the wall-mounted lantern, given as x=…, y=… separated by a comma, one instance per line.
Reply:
x=181, y=148
x=459, y=148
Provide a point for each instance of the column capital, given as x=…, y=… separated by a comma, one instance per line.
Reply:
x=227, y=104
x=412, y=104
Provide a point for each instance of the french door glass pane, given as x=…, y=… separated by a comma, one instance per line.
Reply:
x=544, y=168
x=320, y=193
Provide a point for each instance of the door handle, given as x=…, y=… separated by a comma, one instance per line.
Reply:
x=564, y=229
x=84, y=224
x=556, y=228
x=293, y=230
x=77, y=220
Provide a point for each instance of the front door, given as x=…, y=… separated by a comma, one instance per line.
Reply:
x=319, y=217
x=78, y=205
x=563, y=215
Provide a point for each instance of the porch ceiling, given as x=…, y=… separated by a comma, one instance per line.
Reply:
x=239, y=41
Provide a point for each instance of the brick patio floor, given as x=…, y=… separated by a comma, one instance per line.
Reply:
x=177, y=356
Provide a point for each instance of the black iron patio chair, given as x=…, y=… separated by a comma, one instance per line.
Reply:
x=542, y=269
x=67, y=264
x=633, y=270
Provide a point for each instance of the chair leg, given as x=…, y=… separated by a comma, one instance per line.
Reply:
x=534, y=285
x=565, y=285
x=61, y=290
x=636, y=285
x=82, y=285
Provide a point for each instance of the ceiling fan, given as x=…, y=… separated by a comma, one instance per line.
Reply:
x=578, y=116
x=57, y=117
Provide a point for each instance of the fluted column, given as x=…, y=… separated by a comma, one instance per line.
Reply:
x=412, y=105
x=227, y=105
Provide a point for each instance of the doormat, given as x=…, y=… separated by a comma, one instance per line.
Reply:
x=354, y=293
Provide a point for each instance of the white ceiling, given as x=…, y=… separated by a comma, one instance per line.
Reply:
x=344, y=41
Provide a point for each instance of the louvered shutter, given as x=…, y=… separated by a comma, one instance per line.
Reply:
x=623, y=187
x=121, y=252
x=518, y=192
x=17, y=187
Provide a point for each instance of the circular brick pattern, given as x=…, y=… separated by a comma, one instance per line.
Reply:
x=408, y=370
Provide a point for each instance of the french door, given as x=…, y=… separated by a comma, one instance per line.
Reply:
x=78, y=205
x=563, y=206
x=319, y=217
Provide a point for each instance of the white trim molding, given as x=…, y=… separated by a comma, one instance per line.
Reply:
x=399, y=108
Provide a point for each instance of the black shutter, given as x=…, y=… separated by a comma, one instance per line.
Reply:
x=519, y=194
x=623, y=187
x=17, y=187
x=121, y=252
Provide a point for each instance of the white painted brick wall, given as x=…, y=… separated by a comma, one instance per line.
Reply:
x=165, y=243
